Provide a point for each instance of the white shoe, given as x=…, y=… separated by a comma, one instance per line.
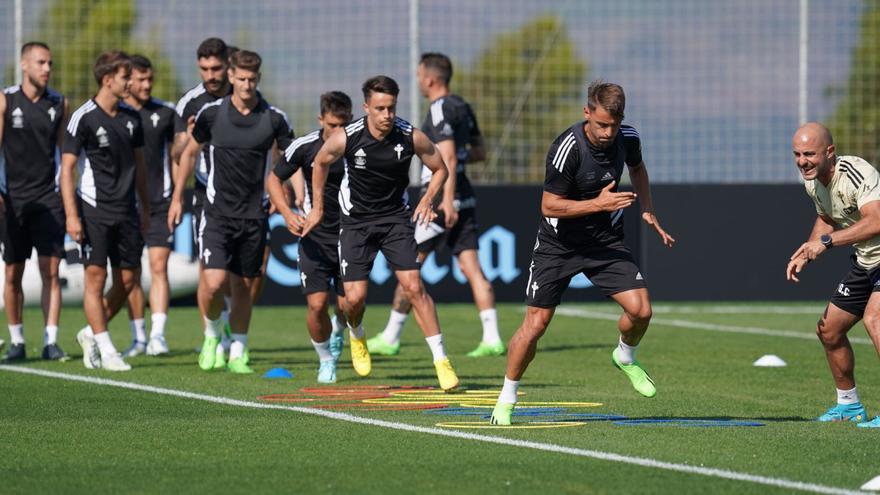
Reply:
x=135, y=349
x=91, y=355
x=157, y=346
x=114, y=362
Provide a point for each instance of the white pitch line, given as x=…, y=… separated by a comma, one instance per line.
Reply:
x=546, y=447
x=696, y=325
x=739, y=309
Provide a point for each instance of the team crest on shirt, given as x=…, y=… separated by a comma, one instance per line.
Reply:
x=155, y=119
x=17, y=118
x=360, y=158
x=399, y=150
x=52, y=113
x=130, y=126
x=103, y=140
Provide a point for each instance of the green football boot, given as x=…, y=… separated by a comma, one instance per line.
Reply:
x=501, y=414
x=377, y=345
x=208, y=355
x=485, y=349
x=637, y=376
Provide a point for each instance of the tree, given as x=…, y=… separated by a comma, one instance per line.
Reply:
x=856, y=121
x=526, y=87
x=77, y=32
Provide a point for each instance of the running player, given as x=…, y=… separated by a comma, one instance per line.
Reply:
x=32, y=118
x=582, y=232
x=239, y=132
x=110, y=137
x=157, y=118
x=318, y=254
x=845, y=190
x=376, y=214
x=452, y=126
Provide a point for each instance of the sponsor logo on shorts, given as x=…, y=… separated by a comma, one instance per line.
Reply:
x=843, y=290
x=343, y=265
x=303, y=277
x=535, y=288
x=206, y=255
x=639, y=276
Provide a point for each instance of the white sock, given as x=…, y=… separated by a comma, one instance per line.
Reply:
x=138, y=330
x=213, y=327
x=626, y=354
x=435, y=342
x=508, y=391
x=337, y=325
x=88, y=330
x=489, y=317
x=357, y=333
x=323, y=350
x=239, y=342
x=847, y=397
x=51, y=335
x=157, y=328
x=391, y=334
x=105, y=345
x=16, y=334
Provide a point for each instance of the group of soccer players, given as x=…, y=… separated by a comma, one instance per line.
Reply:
x=342, y=189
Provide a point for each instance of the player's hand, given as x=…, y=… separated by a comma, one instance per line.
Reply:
x=809, y=250
x=424, y=213
x=295, y=223
x=174, y=212
x=312, y=220
x=651, y=220
x=449, y=213
x=74, y=228
x=190, y=124
x=794, y=267
x=145, y=220
x=613, y=201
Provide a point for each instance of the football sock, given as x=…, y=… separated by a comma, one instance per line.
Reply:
x=489, y=317
x=626, y=354
x=508, y=391
x=435, y=342
x=391, y=334
x=16, y=334
x=157, y=329
x=323, y=350
x=138, y=330
x=213, y=327
x=847, y=397
x=239, y=342
x=51, y=335
x=357, y=332
x=105, y=345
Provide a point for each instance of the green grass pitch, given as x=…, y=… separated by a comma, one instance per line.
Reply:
x=61, y=436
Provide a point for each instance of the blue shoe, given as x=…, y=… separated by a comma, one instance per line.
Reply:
x=849, y=412
x=874, y=423
x=337, y=342
x=327, y=372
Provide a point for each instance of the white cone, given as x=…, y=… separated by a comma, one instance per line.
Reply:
x=770, y=361
x=873, y=485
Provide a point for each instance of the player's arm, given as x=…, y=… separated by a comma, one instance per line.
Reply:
x=332, y=150
x=823, y=225
x=187, y=164
x=298, y=184
x=178, y=145
x=476, y=150
x=2, y=119
x=447, y=203
x=275, y=187
x=68, y=196
x=431, y=158
x=638, y=175
x=140, y=183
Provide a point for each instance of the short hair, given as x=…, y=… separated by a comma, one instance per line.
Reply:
x=30, y=45
x=336, y=103
x=607, y=95
x=212, y=47
x=246, y=60
x=439, y=64
x=110, y=62
x=380, y=84
x=232, y=50
x=140, y=63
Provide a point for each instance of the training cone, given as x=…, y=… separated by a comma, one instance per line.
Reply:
x=770, y=361
x=873, y=485
x=278, y=373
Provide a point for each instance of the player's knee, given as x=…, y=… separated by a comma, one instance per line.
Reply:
x=317, y=305
x=536, y=323
x=412, y=289
x=641, y=314
x=828, y=335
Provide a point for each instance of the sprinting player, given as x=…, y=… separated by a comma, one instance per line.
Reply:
x=452, y=126
x=111, y=138
x=30, y=131
x=212, y=60
x=846, y=191
x=239, y=131
x=318, y=254
x=582, y=232
x=376, y=214
x=157, y=119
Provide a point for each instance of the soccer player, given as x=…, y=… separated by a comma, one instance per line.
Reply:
x=157, y=119
x=212, y=60
x=318, y=254
x=582, y=232
x=30, y=131
x=239, y=132
x=112, y=139
x=452, y=126
x=376, y=215
x=845, y=190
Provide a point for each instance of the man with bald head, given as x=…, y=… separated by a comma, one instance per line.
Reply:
x=846, y=192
